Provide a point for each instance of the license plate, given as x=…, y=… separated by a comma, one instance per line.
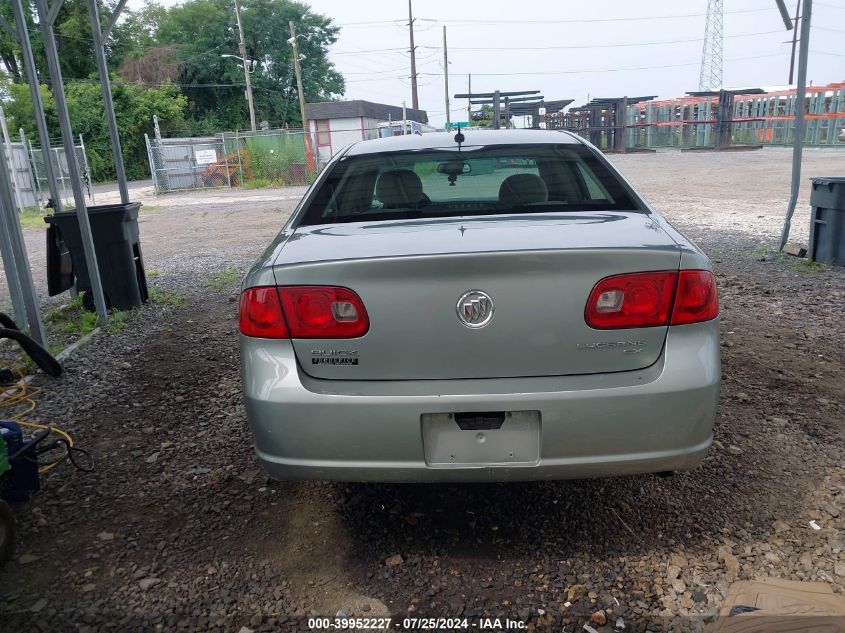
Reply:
x=516, y=442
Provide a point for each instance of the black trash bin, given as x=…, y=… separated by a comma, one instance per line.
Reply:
x=827, y=223
x=114, y=228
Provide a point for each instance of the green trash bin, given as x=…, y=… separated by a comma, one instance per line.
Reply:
x=114, y=229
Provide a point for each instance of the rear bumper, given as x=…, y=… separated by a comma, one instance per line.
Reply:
x=655, y=419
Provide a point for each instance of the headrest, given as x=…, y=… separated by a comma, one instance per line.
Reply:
x=399, y=188
x=523, y=189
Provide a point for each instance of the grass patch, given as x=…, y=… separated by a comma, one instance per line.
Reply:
x=167, y=297
x=72, y=319
x=258, y=183
x=153, y=273
x=802, y=264
x=32, y=218
x=761, y=251
x=117, y=321
x=223, y=278
x=149, y=209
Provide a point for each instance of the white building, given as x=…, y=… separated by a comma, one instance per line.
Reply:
x=336, y=124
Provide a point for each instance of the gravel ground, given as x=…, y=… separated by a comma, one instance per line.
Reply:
x=178, y=529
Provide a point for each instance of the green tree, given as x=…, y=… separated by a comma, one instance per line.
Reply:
x=74, y=41
x=8, y=44
x=134, y=108
x=203, y=30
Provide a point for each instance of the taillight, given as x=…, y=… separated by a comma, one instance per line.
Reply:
x=696, y=299
x=302, y=312
x=260, y=313
x=323, y=312
x=652, y=299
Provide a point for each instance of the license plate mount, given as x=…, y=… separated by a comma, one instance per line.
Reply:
x=472, y=440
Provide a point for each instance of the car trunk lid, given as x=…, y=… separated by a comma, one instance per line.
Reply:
x=537, y=270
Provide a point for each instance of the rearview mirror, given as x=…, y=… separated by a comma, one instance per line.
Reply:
x=454, y=168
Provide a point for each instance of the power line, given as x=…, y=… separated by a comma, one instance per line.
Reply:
x=584, y=71
x=605, y=70
x=598, y=20
x=588, y=46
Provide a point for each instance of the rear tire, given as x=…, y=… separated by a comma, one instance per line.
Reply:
x=7, y=532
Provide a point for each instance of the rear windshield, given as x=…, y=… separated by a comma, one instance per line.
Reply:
x=475, y=181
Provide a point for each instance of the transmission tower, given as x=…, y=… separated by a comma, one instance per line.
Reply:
x=711, y=54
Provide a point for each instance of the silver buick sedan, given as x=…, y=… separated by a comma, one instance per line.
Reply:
x=492, y=305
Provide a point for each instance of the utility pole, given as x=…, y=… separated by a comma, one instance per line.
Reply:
x=446, y=76
x=469, y=100
x=414, y=101
x=794, y=41
x=247, y=78
x=298, y=70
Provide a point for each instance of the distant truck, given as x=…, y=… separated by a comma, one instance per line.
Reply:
x=386, y=129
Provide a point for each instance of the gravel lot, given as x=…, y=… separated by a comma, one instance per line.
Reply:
x=179, y=530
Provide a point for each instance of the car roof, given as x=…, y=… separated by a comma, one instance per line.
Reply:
x=474, y=138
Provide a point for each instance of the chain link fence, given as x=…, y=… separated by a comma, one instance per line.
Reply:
x=272, y=158
x=58, y=157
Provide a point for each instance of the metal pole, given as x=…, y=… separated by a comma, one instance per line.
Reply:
x=37, y=104
x=794, y=41
x=52, y=55
x=34, y=165
x=414, y=100
x=469, y=99
x=247, y=78
x=105, y=83
x=10, y=265
x=11, y=157
x=14, y=235
x=798, y=146
x=446, y=76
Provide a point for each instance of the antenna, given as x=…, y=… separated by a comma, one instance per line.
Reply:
x=711, y=54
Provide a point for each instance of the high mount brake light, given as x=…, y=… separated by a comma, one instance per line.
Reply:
x=652, y=299
x=302, y=312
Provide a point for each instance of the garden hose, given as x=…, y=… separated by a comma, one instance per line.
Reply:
x=19, y=397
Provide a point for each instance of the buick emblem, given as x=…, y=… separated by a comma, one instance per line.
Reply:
x=475, y=309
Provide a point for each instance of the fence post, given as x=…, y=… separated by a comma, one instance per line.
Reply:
x=226, y=158
x=152, y=165
x=240, y=161
x=34, y=165
x=62, y=178
x=88, y=182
